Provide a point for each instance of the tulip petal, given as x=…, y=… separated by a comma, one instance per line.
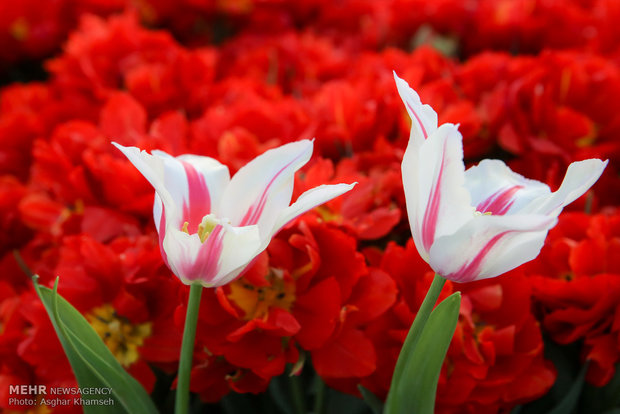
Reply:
x=215, y=174
x=196, y=201
x=183, y=184
x=263, y=187
x=308, y=200
x=433, y=180
x=197, y=181
x=160, y=224
x=496, y=189
x=152, y=168
x=423, y=117
x=211, y=262
x=488, y=246
x=580, y=176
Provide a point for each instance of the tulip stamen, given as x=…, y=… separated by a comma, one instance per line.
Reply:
x=204, y=229
x=256, y=301
x=121, y=336
x=480, y=213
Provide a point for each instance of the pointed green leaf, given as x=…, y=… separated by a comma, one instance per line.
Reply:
x=415, y=390
x=92, y=362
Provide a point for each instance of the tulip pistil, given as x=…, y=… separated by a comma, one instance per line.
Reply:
x=204, y=229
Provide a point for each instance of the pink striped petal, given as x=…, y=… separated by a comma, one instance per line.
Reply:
x=159, y=217
x=500, y=201
x=496, y=189
x=488, y=246
x=444, y=203
x=184, y=184
x=580, y=176
x=423, y=117
x=153, y=169
x=197, y=201
x=433, y=180
x=262, y=188
x=215, y=175
x=213, y=262
x=195, y=183
x=205, y=265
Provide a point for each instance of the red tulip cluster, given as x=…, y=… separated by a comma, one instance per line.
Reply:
x=536, y=83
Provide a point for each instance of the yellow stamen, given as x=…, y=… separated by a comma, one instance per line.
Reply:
x=121, y=336
x=256, y=301
x=205, y=228
x=480, y=213
x=327, y=215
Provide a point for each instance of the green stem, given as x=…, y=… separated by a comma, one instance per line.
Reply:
x=416, y=330
x=297, y=394
x=187, y=350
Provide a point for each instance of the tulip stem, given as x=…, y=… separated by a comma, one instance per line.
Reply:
x=416, y=330
x=187, y=350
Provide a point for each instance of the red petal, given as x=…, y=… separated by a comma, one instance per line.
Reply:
x=350, y=354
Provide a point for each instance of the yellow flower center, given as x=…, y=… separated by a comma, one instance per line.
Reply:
x=327, y=214
x=204, y=229
x=256, y=301
x=480, y=213
x=120, y=336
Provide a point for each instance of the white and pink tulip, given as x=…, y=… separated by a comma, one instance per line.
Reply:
x=212, y=226
x=479, y=223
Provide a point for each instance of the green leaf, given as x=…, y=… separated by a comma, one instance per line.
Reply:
x=93, y=364
x=416, y=388
x=569, y=402
x=375, y=404
x=416, y=329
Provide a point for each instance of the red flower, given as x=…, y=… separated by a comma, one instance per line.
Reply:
x=261, y=321
x=124, y=291
x=497, y=340
x=30, y=352
x=371, y=210
x=245, y=119
x=577, y=287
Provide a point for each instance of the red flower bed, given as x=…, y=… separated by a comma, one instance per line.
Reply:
x=535, y=83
